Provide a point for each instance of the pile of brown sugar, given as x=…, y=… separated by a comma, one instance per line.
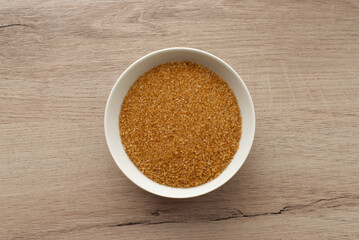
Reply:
x=180, y=124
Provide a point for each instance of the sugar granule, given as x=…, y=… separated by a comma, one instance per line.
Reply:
x=180, y=124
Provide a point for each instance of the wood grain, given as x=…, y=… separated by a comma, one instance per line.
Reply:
x=59, y=60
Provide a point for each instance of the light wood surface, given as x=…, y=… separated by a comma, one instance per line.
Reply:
x=60, y=59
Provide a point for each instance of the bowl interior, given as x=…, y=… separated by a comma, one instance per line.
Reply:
x=148, y=62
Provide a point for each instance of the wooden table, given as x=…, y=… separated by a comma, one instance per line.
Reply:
x=60, y=59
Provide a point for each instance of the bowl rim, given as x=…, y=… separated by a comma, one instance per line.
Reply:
x=106, y=116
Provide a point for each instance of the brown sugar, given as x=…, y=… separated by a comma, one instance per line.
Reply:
x=180, y=124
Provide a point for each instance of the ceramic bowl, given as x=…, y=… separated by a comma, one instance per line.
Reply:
x=130, y=75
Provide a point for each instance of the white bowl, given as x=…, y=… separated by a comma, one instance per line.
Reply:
x=148, y=62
